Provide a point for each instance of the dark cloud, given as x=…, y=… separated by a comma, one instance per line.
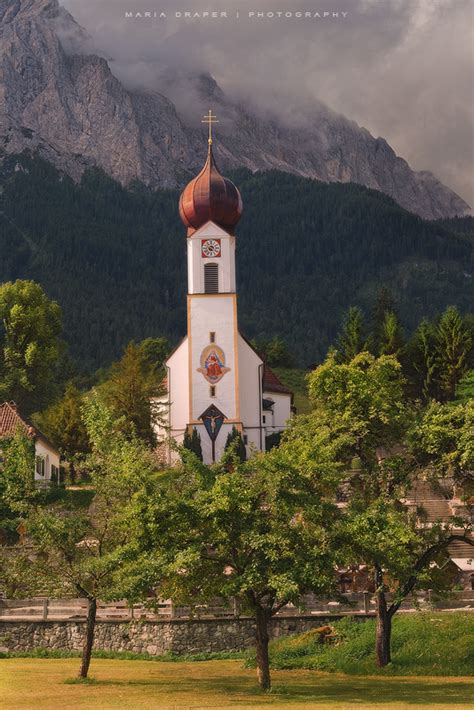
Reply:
x=400, y=68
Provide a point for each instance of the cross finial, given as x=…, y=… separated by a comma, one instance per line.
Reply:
x=209, y=118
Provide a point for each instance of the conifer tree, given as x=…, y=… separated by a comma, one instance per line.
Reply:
x=234, y=439
x=192, y=442
x=384, y=303
x=421, y=362
x=351, y=340
x=390, y=340
x=453, y=348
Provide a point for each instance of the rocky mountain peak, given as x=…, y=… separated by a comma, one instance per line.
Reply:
x=60, y=100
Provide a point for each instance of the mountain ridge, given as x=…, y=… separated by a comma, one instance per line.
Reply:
x=141, y=135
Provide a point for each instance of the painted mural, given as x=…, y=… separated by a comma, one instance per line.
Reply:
x=213, y=363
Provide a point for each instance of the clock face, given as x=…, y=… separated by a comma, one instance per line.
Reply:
x=211, y=248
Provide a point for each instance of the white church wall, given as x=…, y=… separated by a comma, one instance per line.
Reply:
x=216, y=313
x=178, y=382
x=206, y=443
x=250, y=375
x=281, y=411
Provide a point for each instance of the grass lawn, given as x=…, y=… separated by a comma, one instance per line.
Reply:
x=423, y=644
x=38, y=684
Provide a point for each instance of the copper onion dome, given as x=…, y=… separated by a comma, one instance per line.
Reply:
x=210, y=197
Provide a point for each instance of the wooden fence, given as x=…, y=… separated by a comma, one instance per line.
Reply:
x=362, y=603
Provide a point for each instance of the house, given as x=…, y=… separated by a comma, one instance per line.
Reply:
x=47, y=456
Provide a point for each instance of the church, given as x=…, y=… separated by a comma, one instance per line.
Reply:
x=215, y=379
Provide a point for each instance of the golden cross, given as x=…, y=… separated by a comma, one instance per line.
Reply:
x=209, y=118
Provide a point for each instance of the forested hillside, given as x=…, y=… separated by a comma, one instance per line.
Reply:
x=115, y=259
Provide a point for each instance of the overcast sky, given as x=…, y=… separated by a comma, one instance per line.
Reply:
x=403, y=69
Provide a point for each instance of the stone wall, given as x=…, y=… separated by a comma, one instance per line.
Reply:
x=152, y=637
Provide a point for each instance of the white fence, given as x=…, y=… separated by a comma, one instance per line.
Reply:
x=361, y=603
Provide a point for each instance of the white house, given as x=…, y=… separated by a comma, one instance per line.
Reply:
x=215, y=379
x=47, y=457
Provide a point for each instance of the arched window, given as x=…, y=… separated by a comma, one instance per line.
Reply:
x=211, y=278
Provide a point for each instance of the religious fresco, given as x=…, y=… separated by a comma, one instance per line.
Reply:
x=213, y=363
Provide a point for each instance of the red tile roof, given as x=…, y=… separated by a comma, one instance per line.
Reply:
x=10, y=421
x=271, y=383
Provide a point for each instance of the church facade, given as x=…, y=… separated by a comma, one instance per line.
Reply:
x=215, y=379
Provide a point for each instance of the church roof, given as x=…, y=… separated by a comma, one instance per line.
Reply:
x=210, y=197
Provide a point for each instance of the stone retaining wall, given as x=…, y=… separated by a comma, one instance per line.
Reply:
x=152, y=637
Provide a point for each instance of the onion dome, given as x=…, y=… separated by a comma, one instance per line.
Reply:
x=210, y=197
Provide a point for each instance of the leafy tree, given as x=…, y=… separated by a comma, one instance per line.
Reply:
x=364, y=401
x=17, y=489
x=192, y=442
x=453, y=348
x=366, y=396
x=443, y=441
x=389, y=537
x=62, y=422
x=258, y=533
x=235, y=443
x=79, y=551
x=29, y=344
x=351, y=340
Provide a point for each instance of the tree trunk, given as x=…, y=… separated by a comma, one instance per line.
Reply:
x=89, y=640
x=384, y=631
x=261, y=635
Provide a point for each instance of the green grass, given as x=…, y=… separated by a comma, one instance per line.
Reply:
x=422, y=644
x=296, y=380
x=71, y=498
x=42, y=684
x=127, y=655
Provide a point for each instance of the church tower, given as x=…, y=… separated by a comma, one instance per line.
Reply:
x=215, y=379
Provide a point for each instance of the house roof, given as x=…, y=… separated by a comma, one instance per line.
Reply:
x=271, y=382
x=463, y=564
x=11, y=422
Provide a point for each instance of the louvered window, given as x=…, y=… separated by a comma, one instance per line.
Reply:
x=211, y=278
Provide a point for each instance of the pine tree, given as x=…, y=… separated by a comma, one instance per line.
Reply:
x=128, y=391
x=421, y=362
x=384, y=303
x=351, y=340
x=234, y=439
x=192, y=442
x=390, y=341
x=453, y=349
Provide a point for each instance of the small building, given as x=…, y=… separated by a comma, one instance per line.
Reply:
x=461, y=571
x=47, y=456
x=215, y=379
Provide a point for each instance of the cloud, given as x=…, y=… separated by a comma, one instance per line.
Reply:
x=400, y=68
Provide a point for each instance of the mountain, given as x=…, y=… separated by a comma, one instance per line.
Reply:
x=115, y=258
x=62, y=102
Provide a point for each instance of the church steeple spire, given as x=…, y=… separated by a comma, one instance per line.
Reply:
x=209, y=118
x=210, y=197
